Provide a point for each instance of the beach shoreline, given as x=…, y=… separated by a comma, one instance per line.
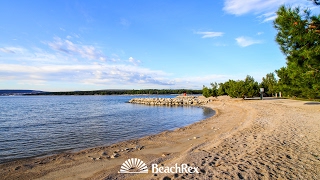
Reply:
x=244, y=139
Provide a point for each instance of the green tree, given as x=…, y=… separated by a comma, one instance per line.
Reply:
x=214, y=91
x=269, y=83
x=206, y=92
x=241, y=88
x=222, y=89
x=251, y=87
x=298, y=38
x=235, y=89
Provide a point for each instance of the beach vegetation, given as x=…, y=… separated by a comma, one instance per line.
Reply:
x=210, y=92
x=269, y=83
x=222, y=87
x=206, y=92
x=214, y=91
x=298, y=35
x=237, y=89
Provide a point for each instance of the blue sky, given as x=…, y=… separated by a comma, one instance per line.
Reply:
x=105, y=44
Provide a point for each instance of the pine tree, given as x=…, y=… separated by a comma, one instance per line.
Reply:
x=298, y=36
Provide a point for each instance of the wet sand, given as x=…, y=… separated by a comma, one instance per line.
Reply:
x=246, y=139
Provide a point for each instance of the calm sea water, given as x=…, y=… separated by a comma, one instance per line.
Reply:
x=40, y=125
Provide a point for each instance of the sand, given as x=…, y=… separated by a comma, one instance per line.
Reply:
x=246, y=139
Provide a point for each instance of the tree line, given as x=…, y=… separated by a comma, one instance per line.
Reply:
x=243, y=88
x=125, y=92
x=298, y=35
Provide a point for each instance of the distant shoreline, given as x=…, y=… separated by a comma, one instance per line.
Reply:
x=104, y=92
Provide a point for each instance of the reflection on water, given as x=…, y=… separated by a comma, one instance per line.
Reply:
x=38, y=125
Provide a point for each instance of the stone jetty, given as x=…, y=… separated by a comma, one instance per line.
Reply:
x=177, y=101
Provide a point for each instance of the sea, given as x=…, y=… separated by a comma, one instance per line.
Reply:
x=32, y=126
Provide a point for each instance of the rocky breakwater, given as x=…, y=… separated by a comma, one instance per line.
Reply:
x=177, y=101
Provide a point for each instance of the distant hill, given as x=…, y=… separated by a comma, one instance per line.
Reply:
x=101, y=92
x=125, y=91
x=7, y=92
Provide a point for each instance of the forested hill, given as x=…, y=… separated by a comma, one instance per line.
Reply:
x=7, y=92
x=123, y=92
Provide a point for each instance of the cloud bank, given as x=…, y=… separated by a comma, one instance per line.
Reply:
x=67, y=62
x=92, y=74
x=246, y=41
x=66, y=46
x=12, y=50
x=263, y=8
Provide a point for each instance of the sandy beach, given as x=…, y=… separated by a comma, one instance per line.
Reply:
x=246, y=139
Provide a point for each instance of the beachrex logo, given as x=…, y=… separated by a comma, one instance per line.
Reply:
x=184, y=168
x=135, y=165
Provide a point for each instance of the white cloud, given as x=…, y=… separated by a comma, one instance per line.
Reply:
x=271, y=18
x=246, y=41
x=72, y=63
x=93, y=73
x=237, y=7
x=35, y=56
x=85, y=51
x=196, y=82
x=75, y=63
x=6, y=50
x=115, y=57
x=134, y=61
x=102, y=74
x=209, y=34
x=265, y=7
x=204, y=79
x=12, y=50
x=260, y=33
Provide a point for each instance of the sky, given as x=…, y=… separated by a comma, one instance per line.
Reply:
x=106, y=44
